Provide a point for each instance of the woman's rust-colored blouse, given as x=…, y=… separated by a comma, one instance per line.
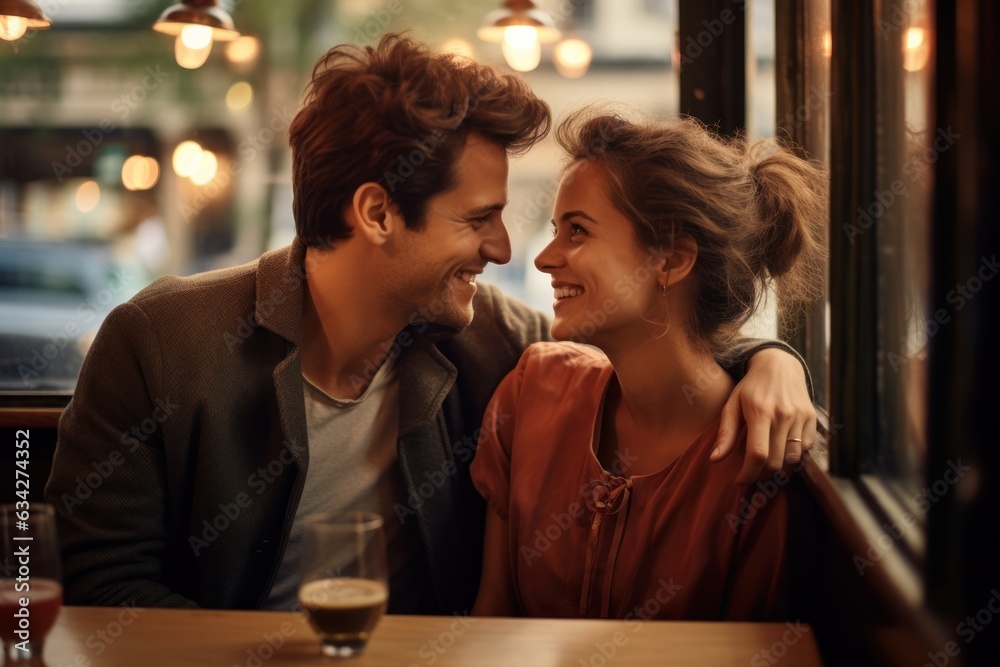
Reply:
x=681, y=543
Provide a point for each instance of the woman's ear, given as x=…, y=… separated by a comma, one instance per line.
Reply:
x=372, y=213
x=678, y=263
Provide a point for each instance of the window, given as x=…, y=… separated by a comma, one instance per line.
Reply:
x=92, y=207
x=899, y=215
x=882, y=150
x=857, y=94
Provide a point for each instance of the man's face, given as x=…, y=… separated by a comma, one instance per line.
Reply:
x=437, y=266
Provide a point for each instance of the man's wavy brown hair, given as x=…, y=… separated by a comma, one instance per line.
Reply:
x=397, y=114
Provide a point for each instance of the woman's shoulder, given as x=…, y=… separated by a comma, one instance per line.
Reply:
x=564, y=356
x=553, y=369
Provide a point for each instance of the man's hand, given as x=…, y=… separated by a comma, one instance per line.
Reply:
x=773, y=401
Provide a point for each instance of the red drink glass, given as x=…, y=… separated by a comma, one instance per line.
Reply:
x=30, y=592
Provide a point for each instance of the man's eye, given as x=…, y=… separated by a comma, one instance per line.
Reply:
x=482, y=220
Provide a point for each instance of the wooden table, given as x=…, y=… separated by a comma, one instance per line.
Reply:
x=139, y=637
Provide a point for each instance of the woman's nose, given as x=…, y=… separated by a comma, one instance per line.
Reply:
x=549, y=258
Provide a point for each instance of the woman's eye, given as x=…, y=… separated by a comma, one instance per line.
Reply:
x=574, y=229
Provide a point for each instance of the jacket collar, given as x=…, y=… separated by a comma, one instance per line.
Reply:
x=281, y=276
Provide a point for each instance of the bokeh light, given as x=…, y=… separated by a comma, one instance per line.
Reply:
x=239, y=96
x=243, y=50
x=140, y=173
x=88, y=196
x=207, y=168
x=572, y=57
x=187, y=158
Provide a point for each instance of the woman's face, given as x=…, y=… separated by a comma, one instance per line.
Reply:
x=606, y=285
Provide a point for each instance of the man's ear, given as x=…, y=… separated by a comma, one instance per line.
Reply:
x=678, y=263
x=372, y=213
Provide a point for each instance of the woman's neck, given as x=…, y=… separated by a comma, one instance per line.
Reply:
x=669, y=383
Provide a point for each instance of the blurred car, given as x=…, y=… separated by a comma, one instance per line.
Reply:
x=53, y=298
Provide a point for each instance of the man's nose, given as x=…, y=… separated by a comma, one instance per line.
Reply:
x=496, y=243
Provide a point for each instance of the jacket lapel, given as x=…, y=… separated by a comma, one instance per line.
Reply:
x=425, y=378
x=280, y=279
x=291, y=409
x=426, y=459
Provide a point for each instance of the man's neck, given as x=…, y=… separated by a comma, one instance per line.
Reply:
x=347, y=327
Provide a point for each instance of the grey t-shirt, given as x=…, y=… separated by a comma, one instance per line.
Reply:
x=353, y=465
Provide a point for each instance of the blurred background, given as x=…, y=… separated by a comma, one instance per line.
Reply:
x=125, y=156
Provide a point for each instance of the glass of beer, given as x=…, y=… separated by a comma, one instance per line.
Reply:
x=344, y=586
x=30, y=592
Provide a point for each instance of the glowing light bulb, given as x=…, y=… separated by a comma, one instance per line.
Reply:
x=189, y=58
x=187, y=158
x=521, y=48
x=12, y=27
x=520, y=37
x=196, y=37
x=572, y=58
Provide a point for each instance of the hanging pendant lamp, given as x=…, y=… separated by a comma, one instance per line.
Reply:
x=19, y=16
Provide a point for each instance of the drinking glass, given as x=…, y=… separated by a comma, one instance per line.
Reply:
x=344, y=586
x=30, y=592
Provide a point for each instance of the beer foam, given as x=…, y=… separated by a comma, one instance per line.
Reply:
x=343, y=593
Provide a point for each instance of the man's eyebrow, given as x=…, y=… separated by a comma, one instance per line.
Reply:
x=488, y=208
x=577, y=214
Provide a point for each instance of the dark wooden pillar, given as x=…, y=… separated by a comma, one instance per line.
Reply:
x=712, y=36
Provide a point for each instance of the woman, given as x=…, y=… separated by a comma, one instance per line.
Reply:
x=604, y=501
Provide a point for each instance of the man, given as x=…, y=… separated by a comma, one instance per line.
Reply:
x=344, y=372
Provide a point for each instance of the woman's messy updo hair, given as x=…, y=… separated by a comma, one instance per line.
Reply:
x=757, y=212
